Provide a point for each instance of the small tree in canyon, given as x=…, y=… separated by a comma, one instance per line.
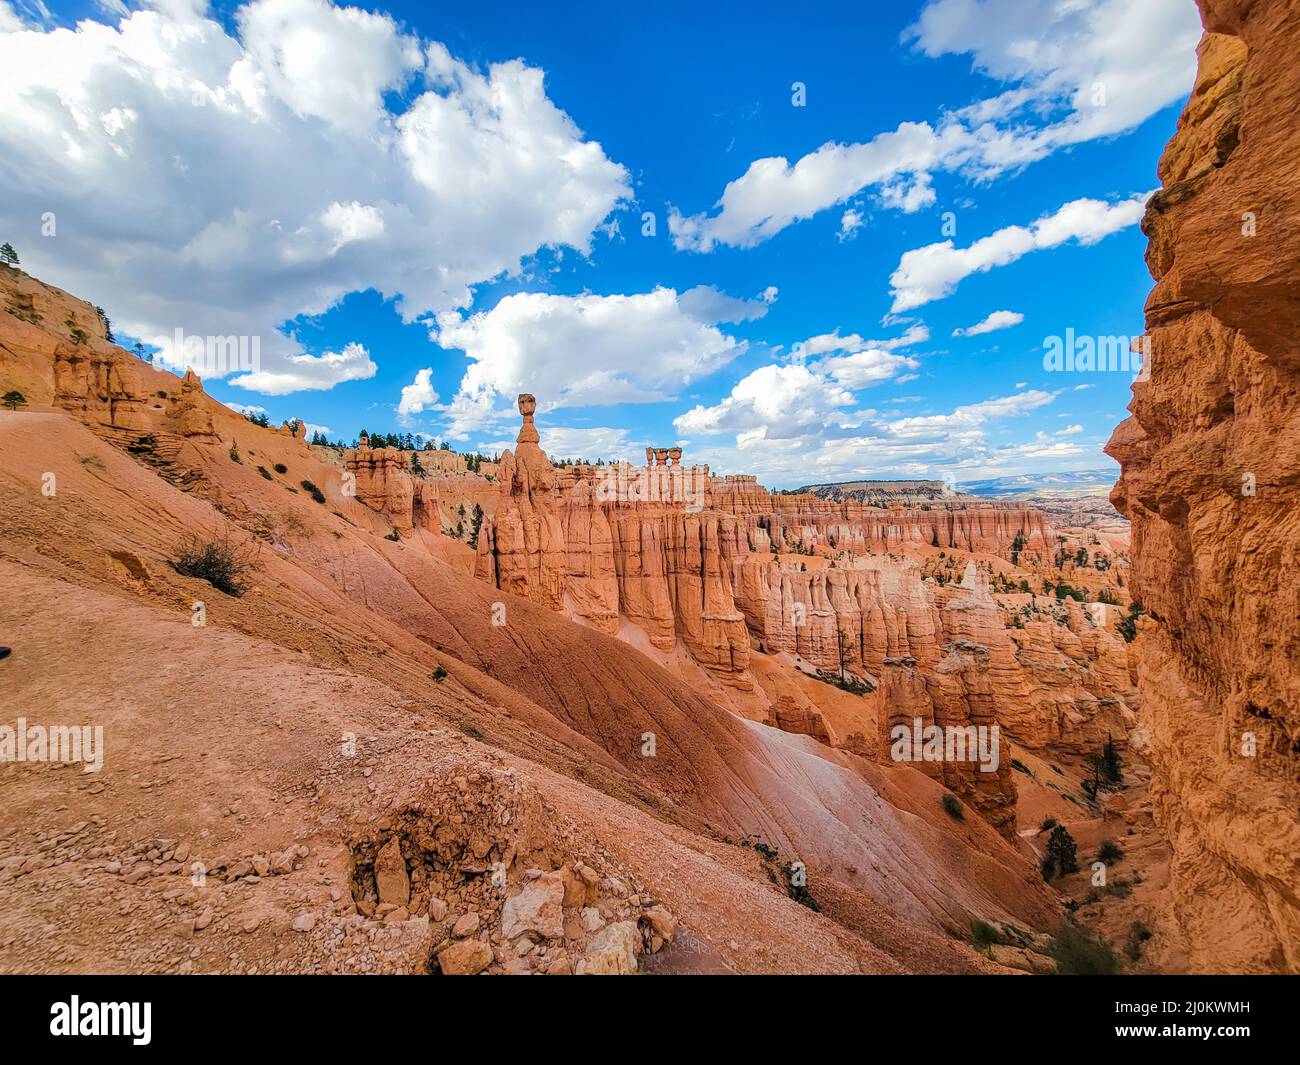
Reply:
x=1061, y=857
x=842, y=643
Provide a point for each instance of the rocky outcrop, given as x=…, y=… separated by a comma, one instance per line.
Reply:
x=813, y=525
x=1211, y=481
x=524, y=548
x=881, y=493
x=97, y=386
x=694, y=561
x=412, y=491
x=192, y=411
x=57, y=350
x=384, y=483
x=568, y=542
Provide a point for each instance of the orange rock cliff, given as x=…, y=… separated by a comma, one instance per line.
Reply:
x=1211, y=478
x=667, y=556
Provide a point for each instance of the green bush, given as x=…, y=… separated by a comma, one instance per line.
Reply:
x=280, y=467
x=216, y=561
x=313, y=491
x=1137, y=936
x=264, y=472
x=798, y=892
x=1127, y=626
x=1079, y=954
x=1061, y=857
x=1112, y=766
x=439, y=674
x=952, y=807
x=983, y=935
x=1110, y=852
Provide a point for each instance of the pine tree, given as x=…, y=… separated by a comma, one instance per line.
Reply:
x=108, y=326
x=7, y=254
x=13, y=399
x=1061, y=857
x=476, y=524
x=1112, y=770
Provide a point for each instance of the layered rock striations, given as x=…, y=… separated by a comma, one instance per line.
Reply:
x=806, y=522
x=696, y=561
x=1211, y=479
x=412, y=491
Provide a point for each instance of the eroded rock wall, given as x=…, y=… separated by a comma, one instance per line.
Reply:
x=1211, y=481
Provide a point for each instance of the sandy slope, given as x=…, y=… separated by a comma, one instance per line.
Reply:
x=339, y=633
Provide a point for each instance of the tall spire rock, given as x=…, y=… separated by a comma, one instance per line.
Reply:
x=522, y=549
x=531, y=463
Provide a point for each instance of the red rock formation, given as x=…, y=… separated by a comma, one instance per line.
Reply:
x=828, y=526
x=192, y=413
x=523, y=549
x=686, y=558
x=384, y=483
x=570, y=543
x=1211, y=473
x=431, y=499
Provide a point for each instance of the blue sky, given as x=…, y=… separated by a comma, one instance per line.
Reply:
x=390, y=204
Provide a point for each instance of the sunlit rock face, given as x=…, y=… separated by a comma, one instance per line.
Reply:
x=721, y=568
x=1211, y=479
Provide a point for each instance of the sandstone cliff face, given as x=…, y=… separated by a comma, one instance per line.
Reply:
x=793, y=521
x=57, y=353
x=384, y=483
x=556, y=541
x=1211, y=481
x=439, y=499
x=615, y=546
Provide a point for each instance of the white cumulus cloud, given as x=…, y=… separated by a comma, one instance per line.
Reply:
x=299, y=373
x=226, y=181
x=934, y=271
x=994, y=321
x=419, y=394
x=1075, y=70
x=589, y=349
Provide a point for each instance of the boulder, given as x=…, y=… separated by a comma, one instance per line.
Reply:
x=613, y=952
x=391, y=881
x=465, y=957
x=538, y=908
